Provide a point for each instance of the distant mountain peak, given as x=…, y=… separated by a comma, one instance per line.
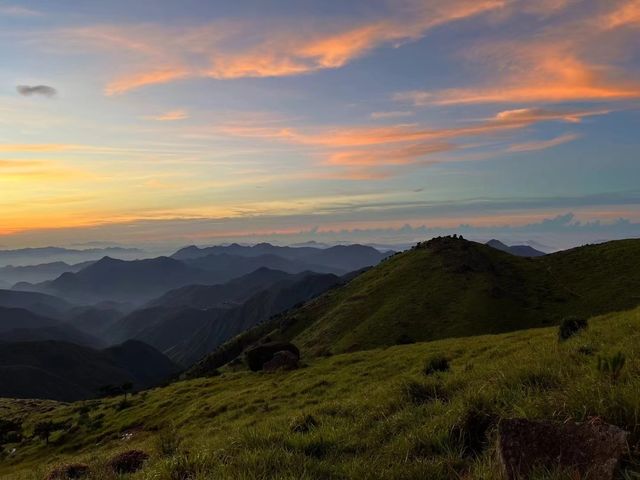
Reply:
x=518, y=250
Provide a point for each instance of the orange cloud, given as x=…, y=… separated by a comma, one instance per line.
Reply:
x=543, y=144
x=533, y=115
x=46, y=147
x=628, y=13
x=137, y=80
x=395, y=156
x=227, y=50
x=553, y=70
x=362, y=136
x=171, y=116
x=391, y=114
x=374, y=148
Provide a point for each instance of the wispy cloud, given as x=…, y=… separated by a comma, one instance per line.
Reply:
x=43, y=90
x=623, y=15
x=370, y=152
x=544, y=72
x=233, y=49
x=543, y=144
x=391, y=114
x=170, y=116
x=142, y=79
x=580, y=59
x=7, y=10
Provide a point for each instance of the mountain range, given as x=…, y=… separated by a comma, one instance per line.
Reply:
x=189, y=322
x=140, y=281
x=35, y=256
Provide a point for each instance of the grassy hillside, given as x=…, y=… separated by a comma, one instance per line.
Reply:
x=450, y=287
x=373, y=414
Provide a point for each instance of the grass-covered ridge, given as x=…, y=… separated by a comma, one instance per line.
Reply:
x=450, y=287
x=370, y=414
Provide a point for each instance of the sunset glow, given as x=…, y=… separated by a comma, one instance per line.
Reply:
x=290, y=116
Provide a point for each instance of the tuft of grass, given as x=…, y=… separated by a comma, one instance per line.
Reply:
x=303, y=423
x=437, y=363
x=612, y=366
x=419, y=393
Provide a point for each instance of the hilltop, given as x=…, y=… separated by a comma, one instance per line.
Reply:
x=451, y=287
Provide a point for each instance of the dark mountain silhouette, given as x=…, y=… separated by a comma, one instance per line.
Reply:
x=124, y=281
x=62, y=333
x=20, y=325
x=450, y=287
x=38, y=273
x=68, y=372
x=258, y=308
x=38, y=303
x=231, y=266
x=517, y=250
x=34, y=256
x=339, y=259
x=347, y=258
x=290, y=253
x=93, y=320
x=162, y=327
x=186, y=323
x=227, y=294
x=12, y=318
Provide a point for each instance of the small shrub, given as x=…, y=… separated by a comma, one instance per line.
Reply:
x=69, y=471
x=168, y=441
x=612, y=366
x=303, y=424
x=10, y=431
x=571, y=326
x=128, y=462
x=404, y=339
x=471, y=431
x=420, y=393
x=437, y=363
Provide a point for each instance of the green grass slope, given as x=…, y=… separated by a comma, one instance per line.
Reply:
x=450, y=287
x=375, y=413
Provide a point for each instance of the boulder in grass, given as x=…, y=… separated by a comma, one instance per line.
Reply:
x=260, y=354
x=591, y=449
x=128, y=462
x=70, y=471
x=282, y=360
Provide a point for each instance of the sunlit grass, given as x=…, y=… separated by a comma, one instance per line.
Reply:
x=375, y=413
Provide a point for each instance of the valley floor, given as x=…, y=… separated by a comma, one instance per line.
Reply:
x=365, y=415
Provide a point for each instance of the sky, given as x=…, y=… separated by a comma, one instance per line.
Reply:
x=373, y=120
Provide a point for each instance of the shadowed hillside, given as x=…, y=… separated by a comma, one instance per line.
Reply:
x=65, y=371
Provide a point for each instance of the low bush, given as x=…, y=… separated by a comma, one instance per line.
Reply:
x=128, y=462
x=571, y=326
